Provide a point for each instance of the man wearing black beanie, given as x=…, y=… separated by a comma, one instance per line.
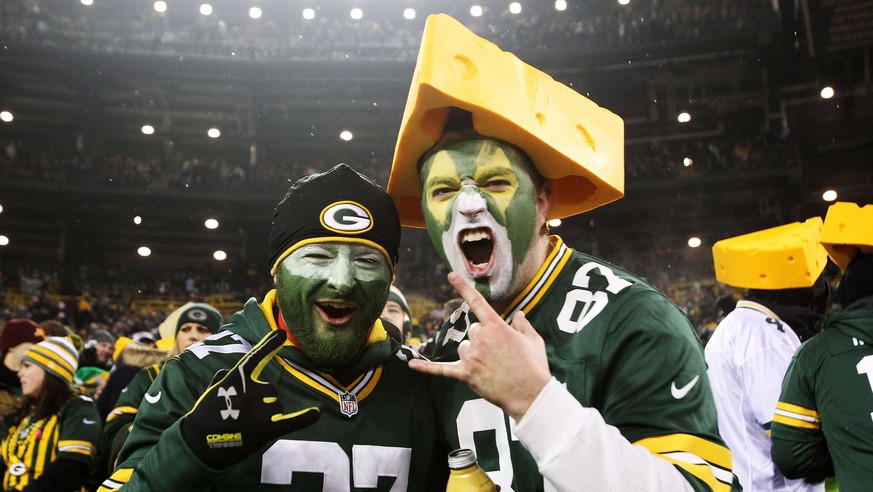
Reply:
x=215, y=419
x=822, y=425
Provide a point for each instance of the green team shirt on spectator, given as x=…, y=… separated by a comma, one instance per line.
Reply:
x=384, y=437
x=824, y=418
x=73, y=433
x=619, y=346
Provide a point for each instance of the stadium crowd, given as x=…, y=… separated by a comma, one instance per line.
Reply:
x=333, y=35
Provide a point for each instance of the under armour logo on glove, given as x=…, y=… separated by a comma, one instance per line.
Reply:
x=226, y=394
x=239, y=413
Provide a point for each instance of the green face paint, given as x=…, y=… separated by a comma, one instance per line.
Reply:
x=479, y=205
x=330, y=295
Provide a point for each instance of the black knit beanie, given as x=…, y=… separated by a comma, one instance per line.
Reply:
x=857, y=282
x=337, y=205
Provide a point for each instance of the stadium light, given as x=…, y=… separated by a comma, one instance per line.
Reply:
x=515, y=8
x=144, y=251
x=409, y=14
x=829, y=195
x=160, y=6
x=4, y=241
x=554, y=222
x=623, y=2
x=211, y=224
x=214, y=133
x=308, y=14
x=694, y=242
x=346, y=135
x=1, y=209
x=255, y=13
x=683, y=117
x=219, y=255
x=6, y=116
x=560, y=5
x=137, y=220
x=687, y=162
x=206, y=9
x=356, y=13
x=476, y=11
x=147, y=130
x=827, y=92
x=87, y=3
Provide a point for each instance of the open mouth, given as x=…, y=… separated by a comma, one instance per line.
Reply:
x=477, y=246
x=335, y=313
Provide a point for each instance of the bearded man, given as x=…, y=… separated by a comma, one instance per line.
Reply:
x=315, y=341
x=600, y=382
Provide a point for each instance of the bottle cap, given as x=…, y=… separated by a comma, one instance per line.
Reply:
x=461, y=458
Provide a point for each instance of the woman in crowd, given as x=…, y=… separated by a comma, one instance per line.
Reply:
x=50, y=441
x=196, y=321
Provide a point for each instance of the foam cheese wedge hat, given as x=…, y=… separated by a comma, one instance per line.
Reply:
x=574, y=143
x=846, y=225
x=785, y=257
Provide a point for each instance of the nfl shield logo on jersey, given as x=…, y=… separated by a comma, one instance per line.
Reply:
x=348, y=404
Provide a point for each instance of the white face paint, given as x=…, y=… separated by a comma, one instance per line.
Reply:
x=469, y=215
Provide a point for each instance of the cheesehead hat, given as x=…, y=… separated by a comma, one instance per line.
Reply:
x=785, y=257
x=575, y=144
x=847, y=226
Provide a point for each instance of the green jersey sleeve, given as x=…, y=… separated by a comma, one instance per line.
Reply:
x=154, y=456
x=79, y=430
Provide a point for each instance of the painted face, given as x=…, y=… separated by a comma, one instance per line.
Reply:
x=31, y=377
x=190, y=333
x=330, y=295
x=480, y=207
x=394, y=314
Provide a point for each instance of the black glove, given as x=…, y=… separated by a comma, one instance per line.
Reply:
x=238, y=414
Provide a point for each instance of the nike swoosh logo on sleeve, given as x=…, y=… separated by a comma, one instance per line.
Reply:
x=680, y=393
x=152, y=399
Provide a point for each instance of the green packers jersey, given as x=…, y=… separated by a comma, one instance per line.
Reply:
x=620, y=347
x=823, y=418
x=29, y=446
x=377, y=429
x=118, y=421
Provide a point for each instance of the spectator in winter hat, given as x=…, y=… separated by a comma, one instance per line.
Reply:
x=98, y=350
x=17, y=337
x=52, y=438
x=396, y=311
x=313, y=346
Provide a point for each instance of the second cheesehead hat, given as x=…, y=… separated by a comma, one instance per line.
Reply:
x=785, y=257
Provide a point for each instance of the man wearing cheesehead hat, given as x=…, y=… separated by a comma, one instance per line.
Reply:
x=314, y=343
x=748, y=353
x=823, y=420
x=602, y=376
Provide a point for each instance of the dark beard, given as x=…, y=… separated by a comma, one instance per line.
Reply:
x=335, y=352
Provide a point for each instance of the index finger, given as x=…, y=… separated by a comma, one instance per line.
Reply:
x=257, y=358
x=477, y=303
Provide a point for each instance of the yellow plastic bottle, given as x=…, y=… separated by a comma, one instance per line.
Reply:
x=466, y=475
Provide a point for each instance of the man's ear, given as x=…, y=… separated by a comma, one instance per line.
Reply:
x=544, y=203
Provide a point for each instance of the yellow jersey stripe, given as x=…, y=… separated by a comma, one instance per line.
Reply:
x=791, y=422
x=718, y=480
x=119, y=411
x=709, y=451
x=120, y=477
x=796, y=410
x=519, y=301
